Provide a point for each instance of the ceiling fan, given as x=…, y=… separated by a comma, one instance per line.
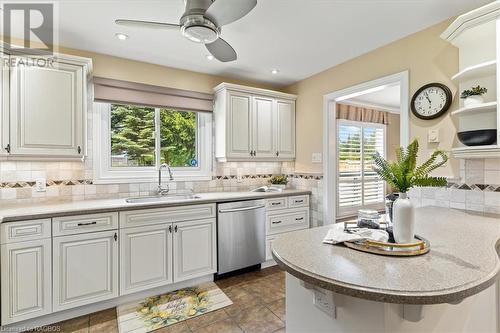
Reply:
x=202, y=22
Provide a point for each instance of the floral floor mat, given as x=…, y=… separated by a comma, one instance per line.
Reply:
x=170, y=308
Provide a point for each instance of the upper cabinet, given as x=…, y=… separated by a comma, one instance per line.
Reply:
x=253, y=124
x=47, y=108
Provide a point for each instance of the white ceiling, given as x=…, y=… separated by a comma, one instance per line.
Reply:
x=388, y=98
x=298, y=37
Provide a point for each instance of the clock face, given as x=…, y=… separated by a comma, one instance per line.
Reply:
x=431, y=101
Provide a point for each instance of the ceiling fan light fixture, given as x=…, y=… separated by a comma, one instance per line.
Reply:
x=199, y=29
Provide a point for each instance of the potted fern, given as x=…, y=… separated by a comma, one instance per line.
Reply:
x=404, y=174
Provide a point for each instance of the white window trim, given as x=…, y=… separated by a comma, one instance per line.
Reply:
x=101, y=154
x=343, y=213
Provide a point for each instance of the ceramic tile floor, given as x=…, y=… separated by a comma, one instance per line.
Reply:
x=258, y=307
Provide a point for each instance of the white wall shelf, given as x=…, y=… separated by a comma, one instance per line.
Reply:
x=483, y=107
x=492, y=151
x=484, y=69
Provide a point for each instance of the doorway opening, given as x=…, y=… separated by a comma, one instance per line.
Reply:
x=359, y=121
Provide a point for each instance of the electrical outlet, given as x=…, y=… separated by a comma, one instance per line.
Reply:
x=433, y=136
x=317, y=158
x=40, y=185
x=323, y=300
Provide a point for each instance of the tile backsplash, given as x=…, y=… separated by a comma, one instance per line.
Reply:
x=478, y=188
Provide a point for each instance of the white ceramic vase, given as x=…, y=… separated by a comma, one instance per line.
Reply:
x=403, y=224
x=473, y=100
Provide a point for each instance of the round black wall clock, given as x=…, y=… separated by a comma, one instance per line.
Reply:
x=431, y=101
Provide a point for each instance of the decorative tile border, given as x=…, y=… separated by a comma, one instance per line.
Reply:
x=475, y=187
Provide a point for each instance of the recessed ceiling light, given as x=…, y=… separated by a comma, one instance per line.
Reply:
x=121, y=36
x=275, y=71
x=210, y=57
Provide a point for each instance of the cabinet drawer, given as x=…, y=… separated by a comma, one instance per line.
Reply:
x=25, y=230
x=166, y=215
x=269, y=247
x=276, y=203
x=298, y=201
x=79, y=224
x=287, y=221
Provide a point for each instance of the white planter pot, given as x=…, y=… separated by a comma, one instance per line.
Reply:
x=473, y=100
x=279, y=186
x=403, y=224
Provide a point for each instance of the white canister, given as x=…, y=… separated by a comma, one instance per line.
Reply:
x=473, y=101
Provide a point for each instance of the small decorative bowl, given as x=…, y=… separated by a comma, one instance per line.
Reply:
x=478, y=137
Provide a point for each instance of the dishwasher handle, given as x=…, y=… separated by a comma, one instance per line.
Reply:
x=240, y=209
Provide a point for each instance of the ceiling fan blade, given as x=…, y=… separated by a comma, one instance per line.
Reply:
x=146, y=24
x=228, y=11
x=222, y=51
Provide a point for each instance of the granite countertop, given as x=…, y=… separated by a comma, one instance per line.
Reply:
x=29, y=212
x=463, y=261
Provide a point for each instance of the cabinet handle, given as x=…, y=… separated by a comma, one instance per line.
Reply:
x=299, y=219
x=175, y=228
x=7, y=148
x=299, y=201
x=251, y=152
x=79, y=149
x=275, y=203
x=170, y=228
x=86, y=223
x=254, y=153
x=115, y=236
x=277, y=153
x=277, y=222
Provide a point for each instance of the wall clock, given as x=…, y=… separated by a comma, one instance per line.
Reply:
x=431, y=101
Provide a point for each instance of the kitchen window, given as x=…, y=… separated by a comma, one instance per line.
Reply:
x=133, y=141
x=358, y=185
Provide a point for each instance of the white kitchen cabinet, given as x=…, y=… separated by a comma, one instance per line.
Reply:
x=48, y=107
x=285, y=129
x=194, y=249
x=26, y=280
x=4, y=107
x=145, y=258
x=239, y=125
x=253, y=124
x=85, y=269
x=263, y=128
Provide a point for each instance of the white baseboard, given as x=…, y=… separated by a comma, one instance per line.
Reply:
x=88, y=309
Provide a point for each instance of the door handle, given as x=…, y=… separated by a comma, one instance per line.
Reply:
x=240, y=209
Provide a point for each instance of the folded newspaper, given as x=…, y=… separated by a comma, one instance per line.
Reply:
x=337, y=235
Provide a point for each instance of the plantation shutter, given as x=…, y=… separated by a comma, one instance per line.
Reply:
x=124, y=92
x=358, y=185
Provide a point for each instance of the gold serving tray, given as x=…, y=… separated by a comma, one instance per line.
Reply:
x=419, y=247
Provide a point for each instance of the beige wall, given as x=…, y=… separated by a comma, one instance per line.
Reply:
x=428, y=59
x=393, y=136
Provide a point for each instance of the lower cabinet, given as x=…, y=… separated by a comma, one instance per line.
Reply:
x=85, y=269
x=145, y=258
x=194, y=249
x=26, y=280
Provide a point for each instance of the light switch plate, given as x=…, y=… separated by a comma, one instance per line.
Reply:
x=317, y=158
x=433, y=136
x=40, y=185
x=324, y=301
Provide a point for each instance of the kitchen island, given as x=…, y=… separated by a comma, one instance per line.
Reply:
x=453, y=288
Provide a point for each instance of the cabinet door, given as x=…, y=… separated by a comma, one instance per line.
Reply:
x=239, y=124
x=85, y=269
x=285, y=113
x=263, y=126
x=4, y=106
x=145, y=258
x=47, y=110
x=194, y=249
x=26, y=280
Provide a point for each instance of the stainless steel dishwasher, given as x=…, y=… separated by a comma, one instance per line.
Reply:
x=241, y=235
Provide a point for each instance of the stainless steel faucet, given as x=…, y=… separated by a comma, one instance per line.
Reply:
x=162, y=190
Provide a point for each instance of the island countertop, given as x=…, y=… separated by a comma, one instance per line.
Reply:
x=463, y=261
x=30, y=212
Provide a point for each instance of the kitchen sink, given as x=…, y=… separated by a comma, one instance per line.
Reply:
x=164, y=198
